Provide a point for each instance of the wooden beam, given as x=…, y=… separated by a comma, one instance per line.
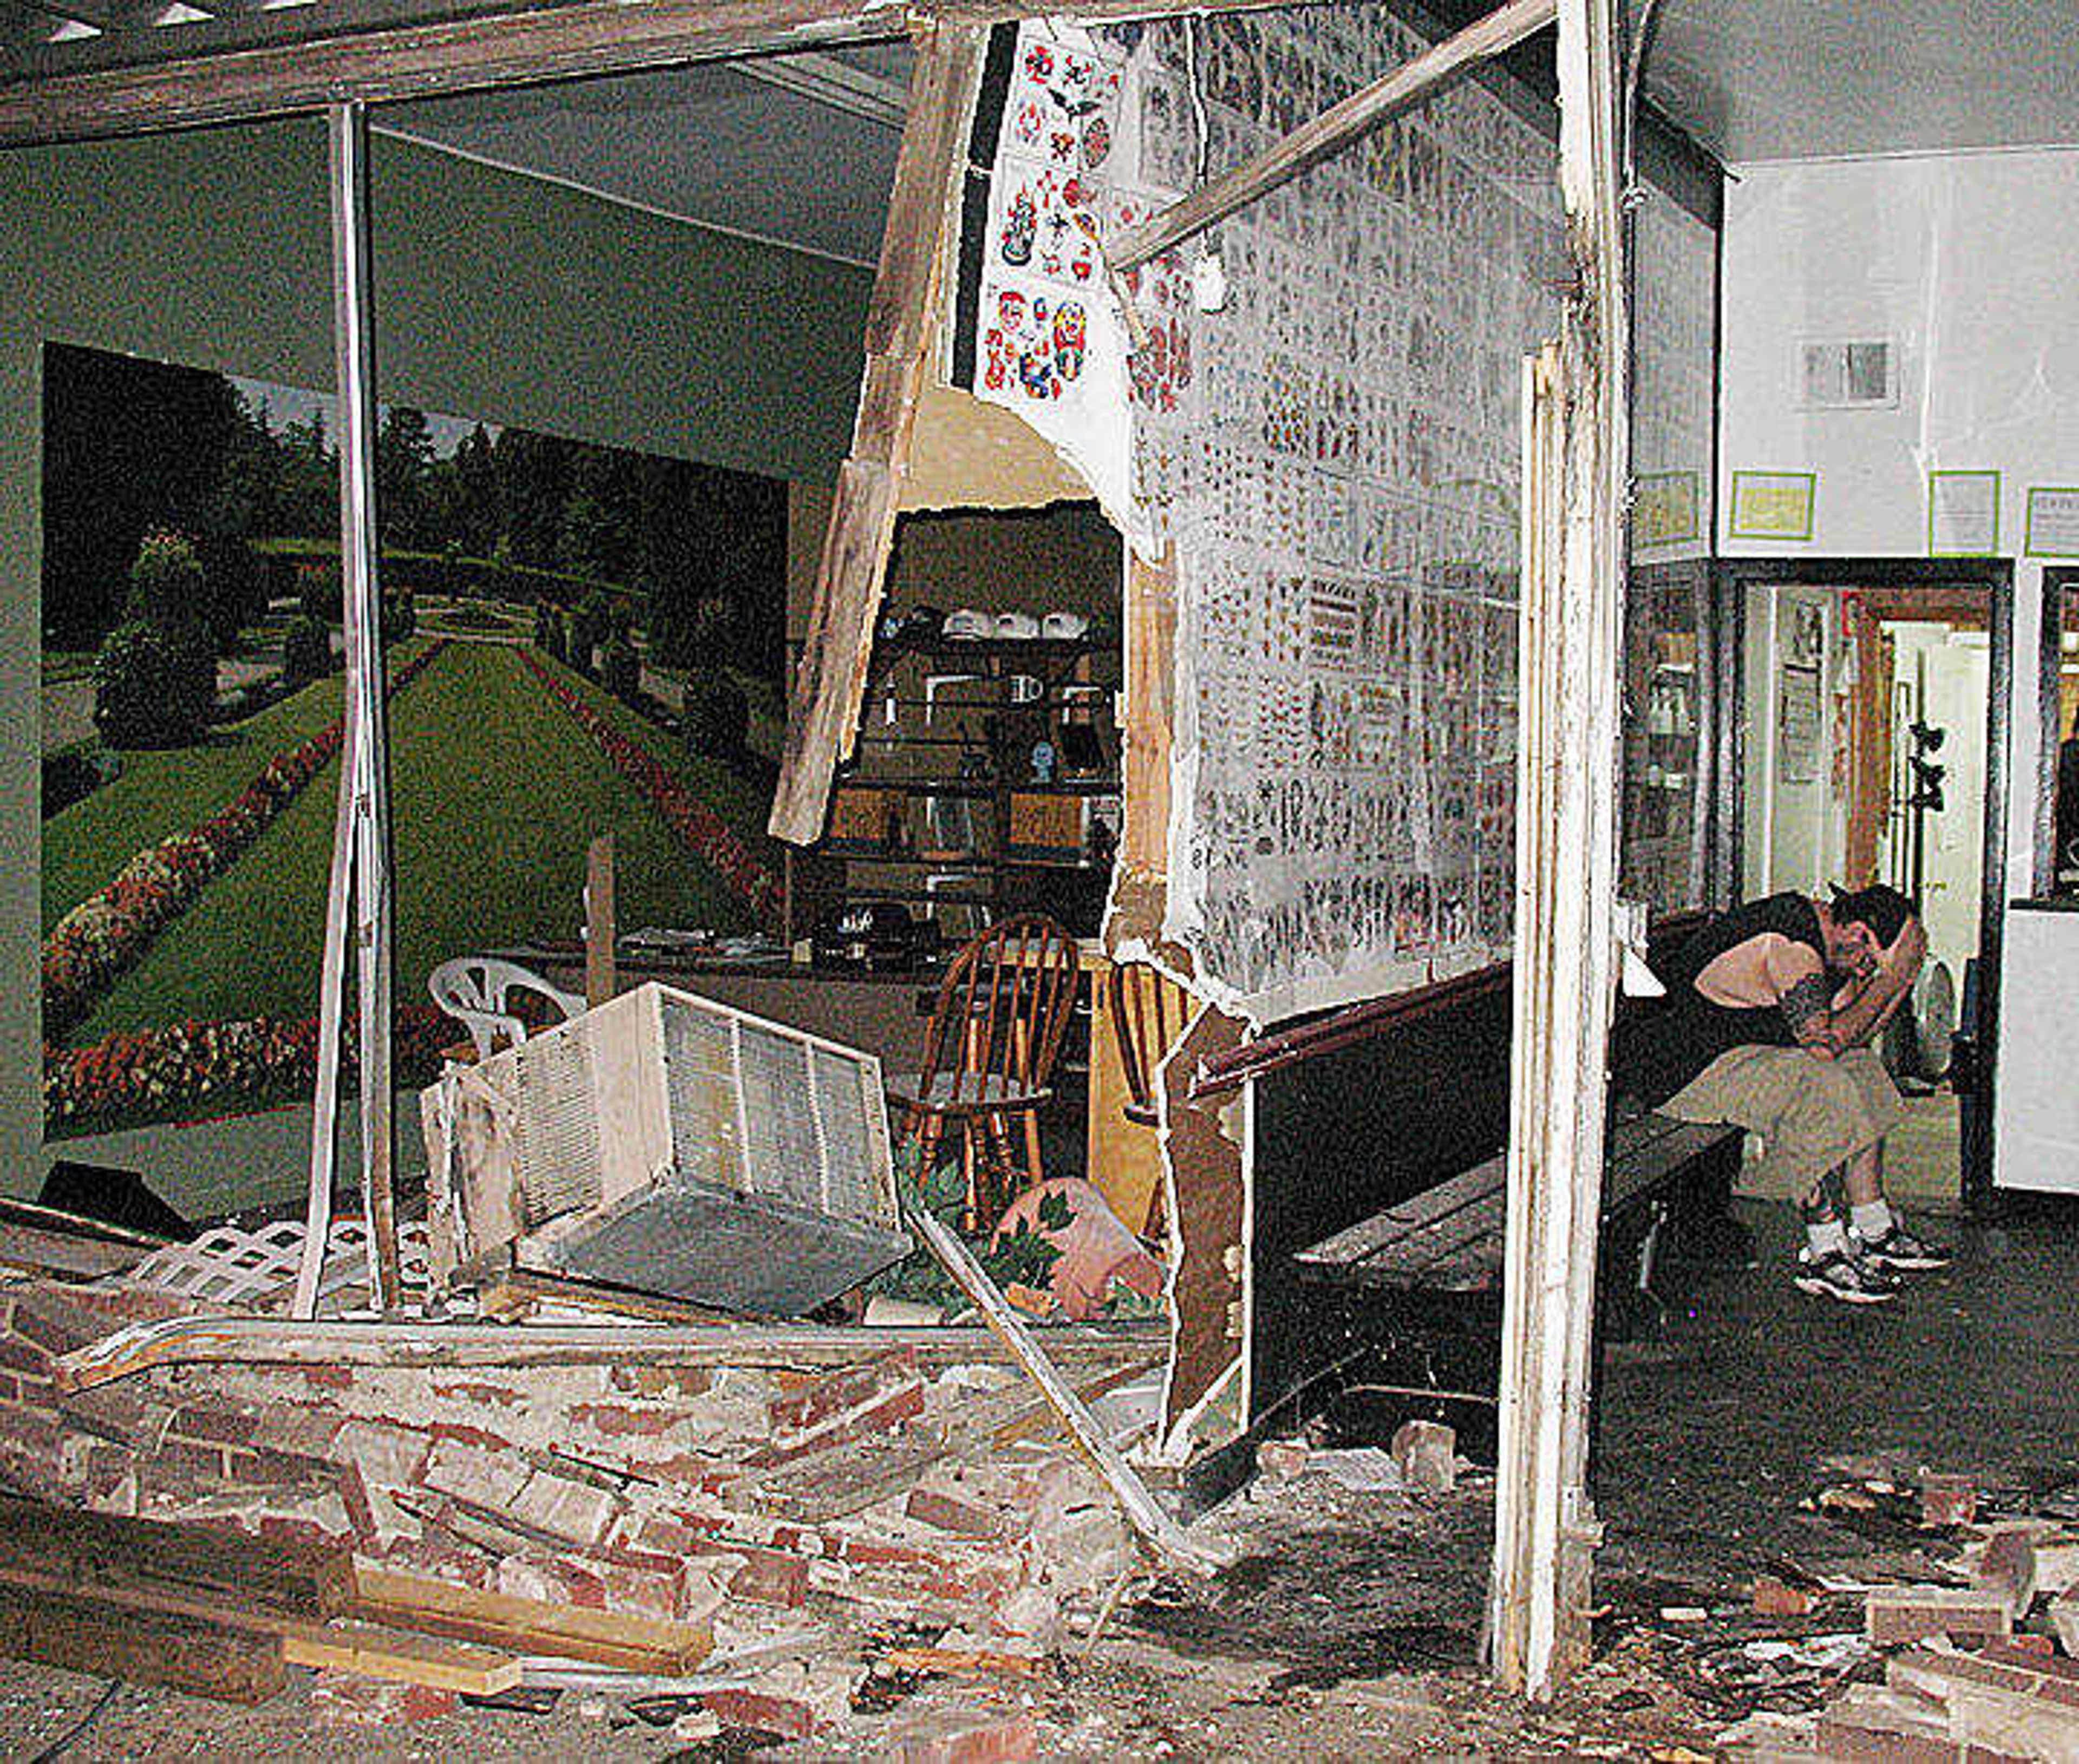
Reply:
x=1146, y=732
x=108, y=1552
x=532, y=1627
x=822, y=716
x=599, y=982
x=1205, y=1171
x=190, y=1341
x=522, y=46
x=1334, y=129
x=401, y=1657
x=84, y=1634
x=1576, y=466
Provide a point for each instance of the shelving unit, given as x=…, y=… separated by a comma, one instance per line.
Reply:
x=1664, y=713
x=986, y=779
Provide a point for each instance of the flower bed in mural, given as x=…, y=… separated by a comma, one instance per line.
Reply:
x=196, y=1070
x=703, y=831
x=108, y=931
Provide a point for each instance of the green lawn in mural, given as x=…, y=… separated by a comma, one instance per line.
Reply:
x=495, y=795
x=162, y=793
x=553, y=615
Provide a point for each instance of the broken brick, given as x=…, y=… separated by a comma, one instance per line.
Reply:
x=850, y=1387
x=563, y=1508
x=947, y=1512
x=118, y=1415
x=285, y=1427
x=1891, y=1614
x=661, y=1380
x=948, y=1735
x=49, y=1322
x=626, y=1421
x=489, y=1480
x=1428, y=1454
x=1947, y=1499
x=1774, y=1598
x=386, y=1456
x=206, y=1424
x=788, y=1716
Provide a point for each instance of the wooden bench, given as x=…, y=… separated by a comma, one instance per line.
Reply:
x=1450, y=1239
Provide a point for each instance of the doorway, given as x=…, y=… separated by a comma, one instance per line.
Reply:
x=1872, y=749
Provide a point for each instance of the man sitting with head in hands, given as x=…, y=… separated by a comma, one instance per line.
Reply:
x=1771, y=1011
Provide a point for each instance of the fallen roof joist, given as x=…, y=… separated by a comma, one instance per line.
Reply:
x=829, y=679
x=256, y=1341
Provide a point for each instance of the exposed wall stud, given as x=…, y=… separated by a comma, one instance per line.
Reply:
x=1576, y=466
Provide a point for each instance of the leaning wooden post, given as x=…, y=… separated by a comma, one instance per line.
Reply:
x=1576, y=466
x=829, y=678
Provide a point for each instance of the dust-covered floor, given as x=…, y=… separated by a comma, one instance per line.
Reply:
x=1348, y=1624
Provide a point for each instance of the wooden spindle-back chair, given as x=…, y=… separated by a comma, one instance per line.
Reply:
x=996, y=1030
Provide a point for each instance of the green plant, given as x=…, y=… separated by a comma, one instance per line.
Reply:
x=306, y=649
x=318, y=595
x=716, y=714
x=165, y=581
x=154, y=684
x=619, y=671
x=400, y=616
x=550, y=634
x=1021, y=1256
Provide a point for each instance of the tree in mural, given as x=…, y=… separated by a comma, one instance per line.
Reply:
x=155, y=677
x=128, y=446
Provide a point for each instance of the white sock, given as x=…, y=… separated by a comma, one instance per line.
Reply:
x=1825, y=1236
x=1871, y=1219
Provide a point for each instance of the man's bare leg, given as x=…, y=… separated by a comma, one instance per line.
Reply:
x=1863, y=1175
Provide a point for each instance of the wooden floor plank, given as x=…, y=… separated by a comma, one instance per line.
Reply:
x=376, y=1652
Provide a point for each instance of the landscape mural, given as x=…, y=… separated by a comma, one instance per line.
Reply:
x=579, y=640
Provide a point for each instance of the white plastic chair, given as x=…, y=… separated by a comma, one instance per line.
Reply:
x=474, y=990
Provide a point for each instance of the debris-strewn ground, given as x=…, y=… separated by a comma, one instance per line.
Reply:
x=1764, y=1436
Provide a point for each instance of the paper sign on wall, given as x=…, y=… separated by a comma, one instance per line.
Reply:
x=1773, y=504
x=2052, y=530
x=1963, y=514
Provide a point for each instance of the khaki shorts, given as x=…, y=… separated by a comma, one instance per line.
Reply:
x=1811, y=1113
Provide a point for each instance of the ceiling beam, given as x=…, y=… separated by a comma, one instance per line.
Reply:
x=1334, y=129
x=522, y=46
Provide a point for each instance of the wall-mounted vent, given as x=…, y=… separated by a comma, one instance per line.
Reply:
x=1854, y=376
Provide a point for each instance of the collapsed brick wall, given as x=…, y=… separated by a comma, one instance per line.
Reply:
x=657, y=1490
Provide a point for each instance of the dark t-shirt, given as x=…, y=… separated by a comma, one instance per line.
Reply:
x=1669, y=1041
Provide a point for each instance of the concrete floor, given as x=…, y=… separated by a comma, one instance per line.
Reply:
x=1713, y=1434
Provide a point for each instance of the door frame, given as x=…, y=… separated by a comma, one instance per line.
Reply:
x=2057, y=578
x=1731, y=578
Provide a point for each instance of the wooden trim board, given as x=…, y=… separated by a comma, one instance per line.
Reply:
x=528, y=1626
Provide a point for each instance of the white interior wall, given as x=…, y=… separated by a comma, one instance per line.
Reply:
x=1964, y=260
